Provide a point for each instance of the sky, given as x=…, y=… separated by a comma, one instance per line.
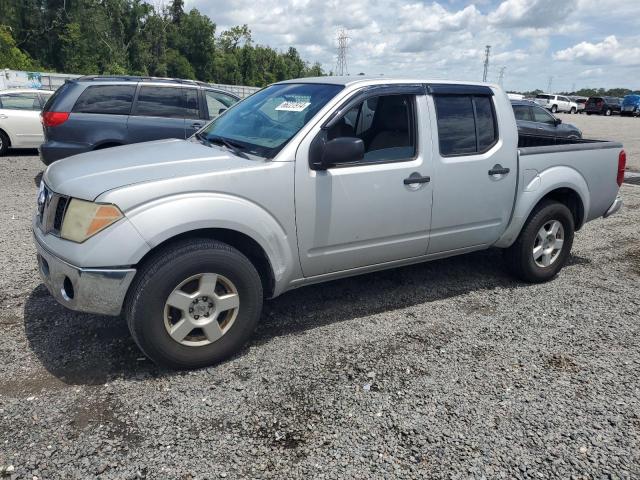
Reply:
x=571, y=43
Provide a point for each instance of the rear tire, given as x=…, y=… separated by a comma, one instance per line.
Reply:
x=533, y=257
x=572, y=111
x=4, y=143
x=181, y=285
x=607, y=112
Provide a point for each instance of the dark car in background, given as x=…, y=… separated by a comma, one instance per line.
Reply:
x=631, y=105
x=91, y=113
x=532, y=119
x=603, y=106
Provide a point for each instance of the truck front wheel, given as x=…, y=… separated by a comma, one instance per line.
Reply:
x=194, y=304
x=544, y=244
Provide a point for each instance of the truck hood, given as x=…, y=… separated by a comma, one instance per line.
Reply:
x=89, y=174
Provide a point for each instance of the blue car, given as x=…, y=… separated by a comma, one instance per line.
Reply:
x=631, y=105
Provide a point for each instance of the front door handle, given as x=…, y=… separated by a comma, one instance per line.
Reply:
x=3, y=116
x=197, y=125
x=498, y=170
x=412, y=180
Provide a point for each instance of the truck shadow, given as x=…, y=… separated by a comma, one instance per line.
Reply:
x=91, y=349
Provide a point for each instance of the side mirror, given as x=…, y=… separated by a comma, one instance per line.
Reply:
x=339, y=151
x=221, y=110
x=557, y=121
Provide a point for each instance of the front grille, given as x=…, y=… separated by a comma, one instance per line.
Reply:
x=51, y=208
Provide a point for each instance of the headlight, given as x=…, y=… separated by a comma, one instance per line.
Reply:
x=84, y=219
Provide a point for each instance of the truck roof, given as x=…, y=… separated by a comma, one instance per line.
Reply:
x=373, y=80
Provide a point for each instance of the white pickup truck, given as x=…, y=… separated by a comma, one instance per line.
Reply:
x=307, y=181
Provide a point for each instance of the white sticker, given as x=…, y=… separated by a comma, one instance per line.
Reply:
x=292, y=106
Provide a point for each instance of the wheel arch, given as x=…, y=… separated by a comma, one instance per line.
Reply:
x=562, y=184
x=238, y=240
x=6, y=133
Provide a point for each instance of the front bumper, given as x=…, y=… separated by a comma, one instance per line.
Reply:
x=93, y=290
x=615, y=206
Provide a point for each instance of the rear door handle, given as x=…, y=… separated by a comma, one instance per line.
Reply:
x=197, y=125
x=498, y=170
x=3, y=116
x=412, y=180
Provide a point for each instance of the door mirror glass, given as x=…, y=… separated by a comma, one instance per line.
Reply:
x=557, y=121
x=340, y=151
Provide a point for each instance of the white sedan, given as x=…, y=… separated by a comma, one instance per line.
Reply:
x=20, y=125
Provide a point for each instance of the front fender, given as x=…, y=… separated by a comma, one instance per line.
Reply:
x=535, y=186
x=168, y=217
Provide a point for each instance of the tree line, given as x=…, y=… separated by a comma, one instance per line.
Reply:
x=132, y=37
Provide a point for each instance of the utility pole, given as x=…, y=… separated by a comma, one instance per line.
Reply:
x=341, y=64
x=549, y=84
x=487, y=50
x=501, y=77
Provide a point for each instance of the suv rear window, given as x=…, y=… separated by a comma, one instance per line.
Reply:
x=106, y=99
x=168, y=102
x=545, y=97
x=466, y=124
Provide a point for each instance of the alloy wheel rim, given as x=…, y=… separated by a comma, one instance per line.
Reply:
x=548, y=244
x=201, y=309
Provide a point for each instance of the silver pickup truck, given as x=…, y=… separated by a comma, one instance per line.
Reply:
x=307, y=181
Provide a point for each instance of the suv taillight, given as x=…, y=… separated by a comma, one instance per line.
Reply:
x=622, y=163
x=53, y=119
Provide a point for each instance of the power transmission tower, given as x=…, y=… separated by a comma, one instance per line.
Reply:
x=549, y=84
x=487, y=50
x=341, y=64
x=501, y=77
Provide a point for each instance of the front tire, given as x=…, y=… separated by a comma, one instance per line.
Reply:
x=607, y=112
x=4, y=143
x=554, y=109
x=194, y=304
x=572, y=111
x=544, y=244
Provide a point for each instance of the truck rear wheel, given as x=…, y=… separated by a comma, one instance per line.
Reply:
x=544, y=244
x=194, y=304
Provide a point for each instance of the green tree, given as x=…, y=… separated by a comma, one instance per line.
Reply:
x=10, y=55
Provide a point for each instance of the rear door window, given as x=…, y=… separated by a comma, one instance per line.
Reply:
x=20, y=101
x=169, y=102
x=466, y=124
x=105, y=99
x=485, y=123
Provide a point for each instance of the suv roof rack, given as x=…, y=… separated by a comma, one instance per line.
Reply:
x=135, y=78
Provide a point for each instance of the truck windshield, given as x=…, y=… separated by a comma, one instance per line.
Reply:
x=263, y=123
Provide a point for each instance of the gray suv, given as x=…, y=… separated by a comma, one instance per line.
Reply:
x=96, y=112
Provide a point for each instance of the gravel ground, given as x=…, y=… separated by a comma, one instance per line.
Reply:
x=443, y=370
x=622, y=129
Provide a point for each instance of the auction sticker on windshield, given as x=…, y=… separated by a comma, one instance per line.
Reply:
x=292, y=106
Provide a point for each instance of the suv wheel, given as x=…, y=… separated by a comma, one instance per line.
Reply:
x=607, y=112
x=572, y=111
x=554, y=109
x=4, y=143
x=544, y=244
x=194, y=304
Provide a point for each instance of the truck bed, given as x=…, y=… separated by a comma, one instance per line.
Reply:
x=544, y=141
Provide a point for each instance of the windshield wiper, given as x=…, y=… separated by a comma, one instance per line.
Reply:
x=203, y=138
x=228, y=144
